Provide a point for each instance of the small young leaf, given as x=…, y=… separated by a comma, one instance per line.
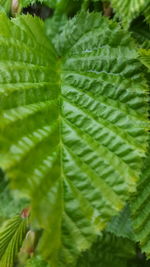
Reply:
x=11, y=238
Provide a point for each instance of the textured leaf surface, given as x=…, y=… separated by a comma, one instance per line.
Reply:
x=127, y=10
x=141, y=32
x=140, y=207
x=108, y=249
x=145, y=57
x=121, y=225
x=11, y=237
x=72, y=125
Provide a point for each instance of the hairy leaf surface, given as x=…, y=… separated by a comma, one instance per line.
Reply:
x=72, y=125
x=11, y=237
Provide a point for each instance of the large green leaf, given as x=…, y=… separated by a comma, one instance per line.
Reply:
x=72, y=125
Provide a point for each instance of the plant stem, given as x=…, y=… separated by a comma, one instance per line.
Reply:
x=85, y=5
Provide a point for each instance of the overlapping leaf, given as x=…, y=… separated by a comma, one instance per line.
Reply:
x=72, y=125
x=127, y=10
x=140, y=207
x=109, y=250
x=11, y=237
x=145, y=57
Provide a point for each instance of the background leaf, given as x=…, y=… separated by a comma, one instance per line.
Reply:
x=108, y=249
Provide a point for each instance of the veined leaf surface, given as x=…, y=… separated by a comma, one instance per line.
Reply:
x=72, y=125
x=11, y=238
x=140, y=207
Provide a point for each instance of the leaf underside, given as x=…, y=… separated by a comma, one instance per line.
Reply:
x=72, y=125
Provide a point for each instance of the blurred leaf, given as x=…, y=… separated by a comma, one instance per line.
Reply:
x=36, y=262
x=5, y=5
x=54, y=25
x=10, y=202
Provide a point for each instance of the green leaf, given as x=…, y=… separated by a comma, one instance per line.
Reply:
x=140, y=207
x=128, y=10
x=5, y=5
x=61, y=6
x=121, y=225
x=108, y=250
x=54, y=25
x=72, y=125
x=36, y=262
x=11, y=238
x=10, y=202
x=141, y=32
x=147, y=15
x=145, y=57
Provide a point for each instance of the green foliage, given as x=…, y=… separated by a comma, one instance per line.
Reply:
x=140, y=207
x=36, y=262
x=121, y=225
x=127, y=10
x=5, y=5
x=10, y=202
x=70, y=112
x=74, y=134
x=141, y=32
x=145, y=57
x=54, y=26
x=11, y=237
x=108, y=249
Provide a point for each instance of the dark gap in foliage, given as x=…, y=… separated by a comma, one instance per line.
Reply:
x=39, y=10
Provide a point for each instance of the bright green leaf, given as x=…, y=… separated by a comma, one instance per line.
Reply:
x=73, y=125
x=11, y=238
x=145, y=57
x=5, y=5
